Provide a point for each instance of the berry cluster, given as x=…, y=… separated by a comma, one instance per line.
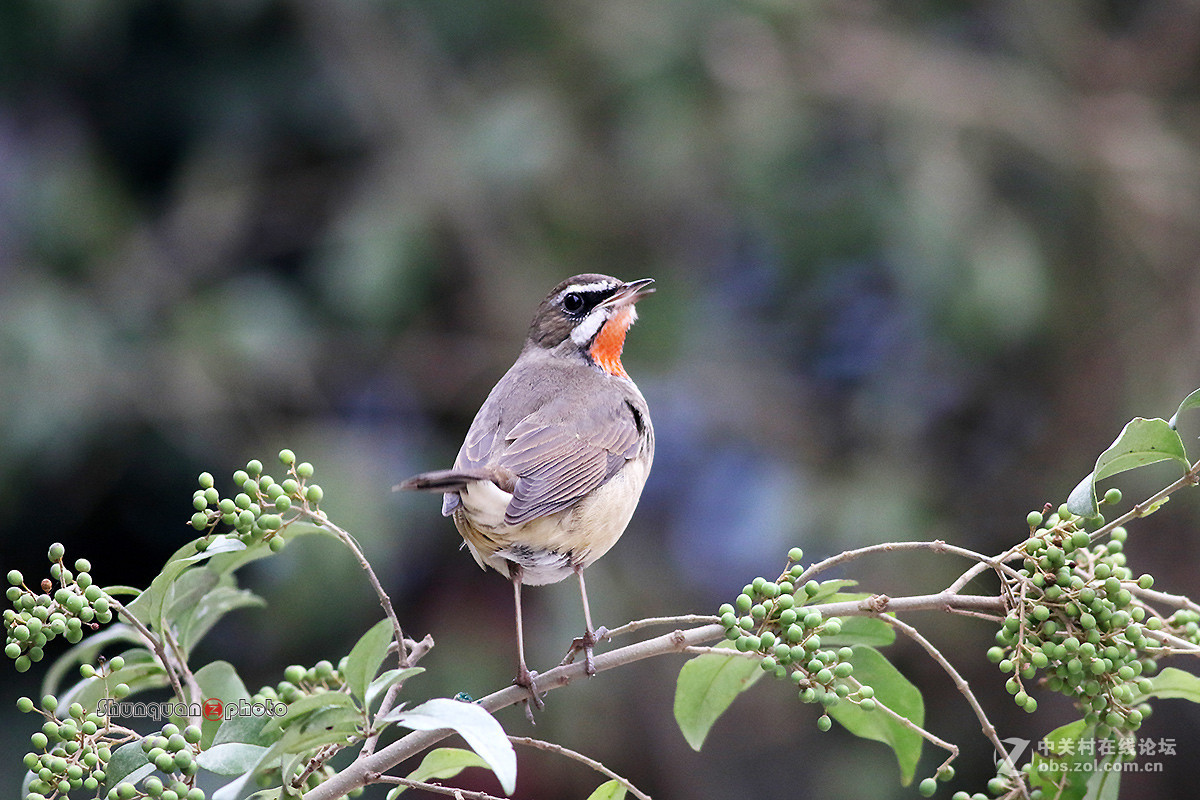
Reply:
x=62, y=605
x=173, y=753
x=263, y=507
x=299, y=682
x=769, y=618
x=1073, y=615
x=73, y=752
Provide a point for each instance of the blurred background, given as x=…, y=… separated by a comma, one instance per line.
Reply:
x=917, y=264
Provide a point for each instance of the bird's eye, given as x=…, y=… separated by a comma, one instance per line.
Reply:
x=572, y=302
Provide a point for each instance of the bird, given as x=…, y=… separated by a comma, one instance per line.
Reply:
x=555, y=460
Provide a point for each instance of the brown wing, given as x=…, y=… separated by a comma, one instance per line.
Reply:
x=565, y=450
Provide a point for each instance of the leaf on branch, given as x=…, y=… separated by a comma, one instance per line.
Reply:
x=706, y=686
x=474, y=724
x=209, y=608
x=231, y=758
x=441, y=764
x=1191, y=401
x=218, y=680
x=366, y=656
x=609, y=790
x=831, y=592
x=148, y=607
x=1058, y=767
x=128, y=763
x=380, y=685
x=1173, y=683
x=1142, y=441
x=861, y=630
x=896, y=692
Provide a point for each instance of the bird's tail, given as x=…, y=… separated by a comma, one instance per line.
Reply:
x=453, y=480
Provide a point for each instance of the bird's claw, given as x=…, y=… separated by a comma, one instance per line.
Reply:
x=586, y=643
x=524, y=679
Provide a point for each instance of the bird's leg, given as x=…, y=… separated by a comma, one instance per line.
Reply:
x=524, y=676
x=590, y=635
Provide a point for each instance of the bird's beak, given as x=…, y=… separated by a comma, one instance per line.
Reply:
x=630, y=293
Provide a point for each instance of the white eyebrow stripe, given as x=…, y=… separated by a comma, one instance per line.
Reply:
x=603, y=286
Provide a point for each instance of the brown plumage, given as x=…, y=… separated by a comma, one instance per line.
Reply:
x=555, y=461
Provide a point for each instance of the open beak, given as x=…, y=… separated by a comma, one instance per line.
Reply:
x=631, y=292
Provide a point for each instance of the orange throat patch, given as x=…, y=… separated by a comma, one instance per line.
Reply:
x=607, y=346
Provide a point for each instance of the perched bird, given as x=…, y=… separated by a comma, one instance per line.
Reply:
x=555, y=461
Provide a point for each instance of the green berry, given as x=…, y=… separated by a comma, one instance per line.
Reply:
x=824, y=723
x=15, y=578
x=56, y=552
x=1145, y=581
x=287, y=457
x=928, y=787
x=1112, y=496
x=314, y=493
x=795, y=554
x=1034, y=519
x=304, y=470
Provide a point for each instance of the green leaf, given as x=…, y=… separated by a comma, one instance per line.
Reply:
x=1142, y=441
x=366, y=656
x=1059, y=772
x=441, y=764
x=148, y=606
x=1104, y=784
x=385, y=681
x=479, y=728
x=1191, y=401
x=246, y=729
x=609, y=790
x=896, y=692
x=128, y=763
x=328, y=725
x=231, y=758
x=706, y=686
x=299, y=710
x=218, y=680
x=861, y=630
x=1172, y=682
x=829, y=592
x=209, y=609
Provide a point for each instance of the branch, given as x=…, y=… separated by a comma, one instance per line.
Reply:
x=961, y=684
x=436, y=788
x=364, y=769
x=582, y=759
x=321, y=519
x=679, y=641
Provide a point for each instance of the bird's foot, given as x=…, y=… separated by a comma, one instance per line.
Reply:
x=586, y=643
x=524, y=679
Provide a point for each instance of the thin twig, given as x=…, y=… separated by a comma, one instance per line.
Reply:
x=155, y=644
x=321, y=519
x=185, y=674
x=416, y=650
x=1150, y=504
x=1174, y=600
x=582, y=759
x=436, y=788
x=682, y=619
x=936, y=546
x=961, y=684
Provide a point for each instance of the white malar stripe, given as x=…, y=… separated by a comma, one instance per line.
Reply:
x=589, y=326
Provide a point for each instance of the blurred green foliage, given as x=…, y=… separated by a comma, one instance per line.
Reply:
x=917, y=262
